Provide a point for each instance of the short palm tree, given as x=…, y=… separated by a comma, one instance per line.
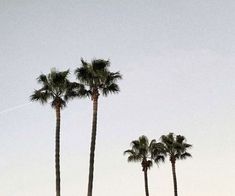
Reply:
x=145, y=152
x=176, y=148
x=97, y=78
x=55, y=87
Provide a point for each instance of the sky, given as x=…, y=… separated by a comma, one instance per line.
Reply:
x=178, y=66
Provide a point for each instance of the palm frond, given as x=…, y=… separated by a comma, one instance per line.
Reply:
x=130, y=152
x=110, y=89
x=187, y=145
x=151, y=145
x=185, y=155
x=135, y=144
x=84, y=75
x=159, y=158
x=112, y=77
x=41, y=96
x=55, y=85
x=144, y=140
x=180, y=139
x=42, y=79
x=76, y=90
x=100, y=64
x=134, y=158
x=149, y=164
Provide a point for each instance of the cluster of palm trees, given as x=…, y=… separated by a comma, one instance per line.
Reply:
x=145, y=151
x=93, y=79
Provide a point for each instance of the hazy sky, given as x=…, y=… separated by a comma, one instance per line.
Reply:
x=178, y=65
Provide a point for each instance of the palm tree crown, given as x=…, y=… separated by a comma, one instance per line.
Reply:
x=55, y=87
x=97, y=77
x=175, y=146
x=145, y=152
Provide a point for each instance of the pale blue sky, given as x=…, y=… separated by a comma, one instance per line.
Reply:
x=178, y=64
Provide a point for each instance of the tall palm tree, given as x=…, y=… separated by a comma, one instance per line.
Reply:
x=97, y=78
x=145, y=152
x=55, y=88
x=176, y=148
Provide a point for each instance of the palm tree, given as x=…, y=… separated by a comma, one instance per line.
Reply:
x=176, y=148
x=97, y=78
x=55, y=87
x=145, y=152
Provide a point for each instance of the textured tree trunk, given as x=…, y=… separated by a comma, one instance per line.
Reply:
x=57, y=151
x=92, y=147
x=146, y=182
x=174, y=178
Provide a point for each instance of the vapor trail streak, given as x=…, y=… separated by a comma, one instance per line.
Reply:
x=13, y=108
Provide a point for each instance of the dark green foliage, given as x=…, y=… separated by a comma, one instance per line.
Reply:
x=143, y=151
x=55, y=87
x=175, y=146
x=96, y=76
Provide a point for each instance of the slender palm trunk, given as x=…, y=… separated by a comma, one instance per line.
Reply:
x=174, y=178
x=57, y=151
x=146, y=182
x=92, y=147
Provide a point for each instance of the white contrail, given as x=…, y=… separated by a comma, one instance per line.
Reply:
x=14, y=108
